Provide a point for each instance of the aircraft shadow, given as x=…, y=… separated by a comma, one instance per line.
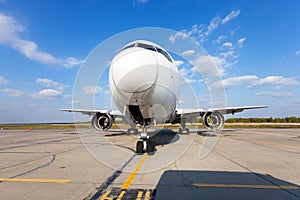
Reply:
x=163, y=137
x=114, y=133
x=209, y=133
x=223, y=185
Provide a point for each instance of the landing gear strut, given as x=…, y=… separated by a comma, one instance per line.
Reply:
x=144, y=142
x=183, y=130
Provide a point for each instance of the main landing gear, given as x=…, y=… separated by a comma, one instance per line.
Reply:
x=145, y=144
x=183, y=130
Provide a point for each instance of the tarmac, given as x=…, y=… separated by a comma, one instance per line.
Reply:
x=234, y=164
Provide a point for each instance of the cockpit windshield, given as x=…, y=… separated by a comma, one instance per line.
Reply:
x=129, y=46
x=146, y=46
x=165, y=54
x=149, y=47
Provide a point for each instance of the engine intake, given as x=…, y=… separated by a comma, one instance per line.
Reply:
x=213, y=120
x=102, y=121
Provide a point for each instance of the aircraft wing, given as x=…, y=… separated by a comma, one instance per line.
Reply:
x=230, y=110
x=115, y=113
x=233, y=110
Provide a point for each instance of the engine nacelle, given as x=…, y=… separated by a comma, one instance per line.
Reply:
x=213, y=120
x=102, y=121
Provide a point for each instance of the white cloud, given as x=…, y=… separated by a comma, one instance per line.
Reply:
x=178, y=62
x=11, y=92
x=240, y=42
x=70, y=62
x=235, y=81
x=51, y=84
x=275, y=94
x=201, y=32
x=189, y=80
x=3, y=81
x=188, y=52
x=92, y=90
x=297, y=101
x=178, y=35
x=227, y=44
x=210, y=65
x=213, y=25
x=47, y=94
x=297, y=53
x=228, y=54
x=230, y=16
x=255, y=81
x=219, y=39
x=10, y=35
x=196, y=33
x=184, y=73
x=277, y=80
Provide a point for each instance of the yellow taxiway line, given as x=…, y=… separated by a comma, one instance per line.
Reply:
x=133, y=173
x=288, y=187
x=127, y=184
x=34, y=180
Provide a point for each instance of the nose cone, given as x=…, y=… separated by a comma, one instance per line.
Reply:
x=134, y=70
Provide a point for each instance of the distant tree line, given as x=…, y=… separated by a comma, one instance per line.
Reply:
x=264, y=120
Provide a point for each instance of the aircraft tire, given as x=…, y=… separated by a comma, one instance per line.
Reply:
x=139, y=147
x=150, y=147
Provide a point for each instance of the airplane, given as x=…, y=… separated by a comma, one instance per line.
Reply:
x=144, y=82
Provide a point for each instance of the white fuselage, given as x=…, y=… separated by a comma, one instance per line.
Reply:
x=144, y=81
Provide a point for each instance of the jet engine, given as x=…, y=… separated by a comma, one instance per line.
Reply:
x=102, y=121
x=213, y=120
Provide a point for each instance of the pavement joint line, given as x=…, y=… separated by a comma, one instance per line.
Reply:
x=266, y=142
x=287, y=187
x=133, y=173
x=34, y=180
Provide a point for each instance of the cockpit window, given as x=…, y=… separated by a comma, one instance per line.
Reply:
x=127, y=47
x=146, y=46
x=165, y=54
x=149, y=47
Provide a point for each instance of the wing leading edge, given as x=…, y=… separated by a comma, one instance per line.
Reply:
x=212, y=118
x=115, y=113
x=224, y=111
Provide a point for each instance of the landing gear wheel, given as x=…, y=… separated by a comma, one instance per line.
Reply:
x=139, y=147
x=150, y=147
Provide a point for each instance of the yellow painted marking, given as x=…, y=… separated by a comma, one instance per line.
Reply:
x=147, y=195
x=288, y=187
x=34, y=180
x=104, y=197
x=132, y=175
x=139, y=196
x=121, y=195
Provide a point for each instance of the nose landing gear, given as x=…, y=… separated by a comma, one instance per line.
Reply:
x=145, y=144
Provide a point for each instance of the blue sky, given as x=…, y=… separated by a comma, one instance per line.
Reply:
x=254, y=44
